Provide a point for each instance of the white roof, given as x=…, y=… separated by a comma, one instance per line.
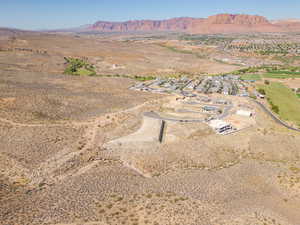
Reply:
x=218, y=124
x=244, y=113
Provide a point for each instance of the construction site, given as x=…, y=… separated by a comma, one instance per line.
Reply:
x=217, y=101
x=178, y=118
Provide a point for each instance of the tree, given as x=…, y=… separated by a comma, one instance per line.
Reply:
x=261, y=91
x=275, y=108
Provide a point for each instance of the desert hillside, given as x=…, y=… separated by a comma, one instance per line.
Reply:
x=184, y=121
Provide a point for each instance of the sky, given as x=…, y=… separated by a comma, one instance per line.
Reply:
x=54, y=14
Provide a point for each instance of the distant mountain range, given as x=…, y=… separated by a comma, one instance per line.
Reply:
x=221, y=23
x=13, y=32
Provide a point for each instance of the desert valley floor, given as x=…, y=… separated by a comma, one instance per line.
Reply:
x=80, y=150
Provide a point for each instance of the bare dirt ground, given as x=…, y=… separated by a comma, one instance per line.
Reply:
x=30, y=97
x=46, y=52
x=194, y=177
x=58, y=167
x=290, y=82
x=67, y=172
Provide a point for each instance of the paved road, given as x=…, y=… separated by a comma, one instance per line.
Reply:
x=225, y=112
x=157, y=116
x=275, y=117
x=188, y=120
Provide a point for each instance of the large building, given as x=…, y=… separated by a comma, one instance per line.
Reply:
x=220, y=126
x=244, y=113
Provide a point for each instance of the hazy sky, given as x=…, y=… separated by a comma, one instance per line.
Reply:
x=49, y=14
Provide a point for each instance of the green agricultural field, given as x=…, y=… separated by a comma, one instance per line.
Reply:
x=285, y=72
x=270, y=75
x=285, y=99
x=298, y=95
x=281, y=75
x=251, y=77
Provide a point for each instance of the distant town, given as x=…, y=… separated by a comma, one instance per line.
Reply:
x=204, y=96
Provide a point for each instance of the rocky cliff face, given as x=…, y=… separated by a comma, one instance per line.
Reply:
x=237, y=19
x=145, y=25
x=289, y=25
x=221, y=23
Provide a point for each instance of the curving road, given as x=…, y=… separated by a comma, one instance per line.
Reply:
x=157, y=116
x=224, y=114
x=275, y=118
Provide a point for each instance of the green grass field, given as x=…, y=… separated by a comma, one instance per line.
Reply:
x=251, y=77
x=275, y=75
x=285, y=72
x=285, y=99
x=84, y=72
x=298, y=95
x=281, y=75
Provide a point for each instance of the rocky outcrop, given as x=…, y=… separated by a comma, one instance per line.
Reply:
x=221, y=23
x=237, y=19
x=145, y=25
x=289, y=25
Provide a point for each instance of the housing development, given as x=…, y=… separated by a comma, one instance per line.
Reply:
x=204, y=100
x=182, y=121
x=226, y=85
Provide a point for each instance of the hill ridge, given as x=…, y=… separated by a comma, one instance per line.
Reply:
x=220, y=23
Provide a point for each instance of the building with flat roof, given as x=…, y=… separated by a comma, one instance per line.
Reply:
x=209, y=108
x=244, y=113
x=220, y=126
x=221, y=101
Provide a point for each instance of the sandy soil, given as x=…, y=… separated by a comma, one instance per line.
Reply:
x=108, y=55
x=290, y=82
x=57, y=165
